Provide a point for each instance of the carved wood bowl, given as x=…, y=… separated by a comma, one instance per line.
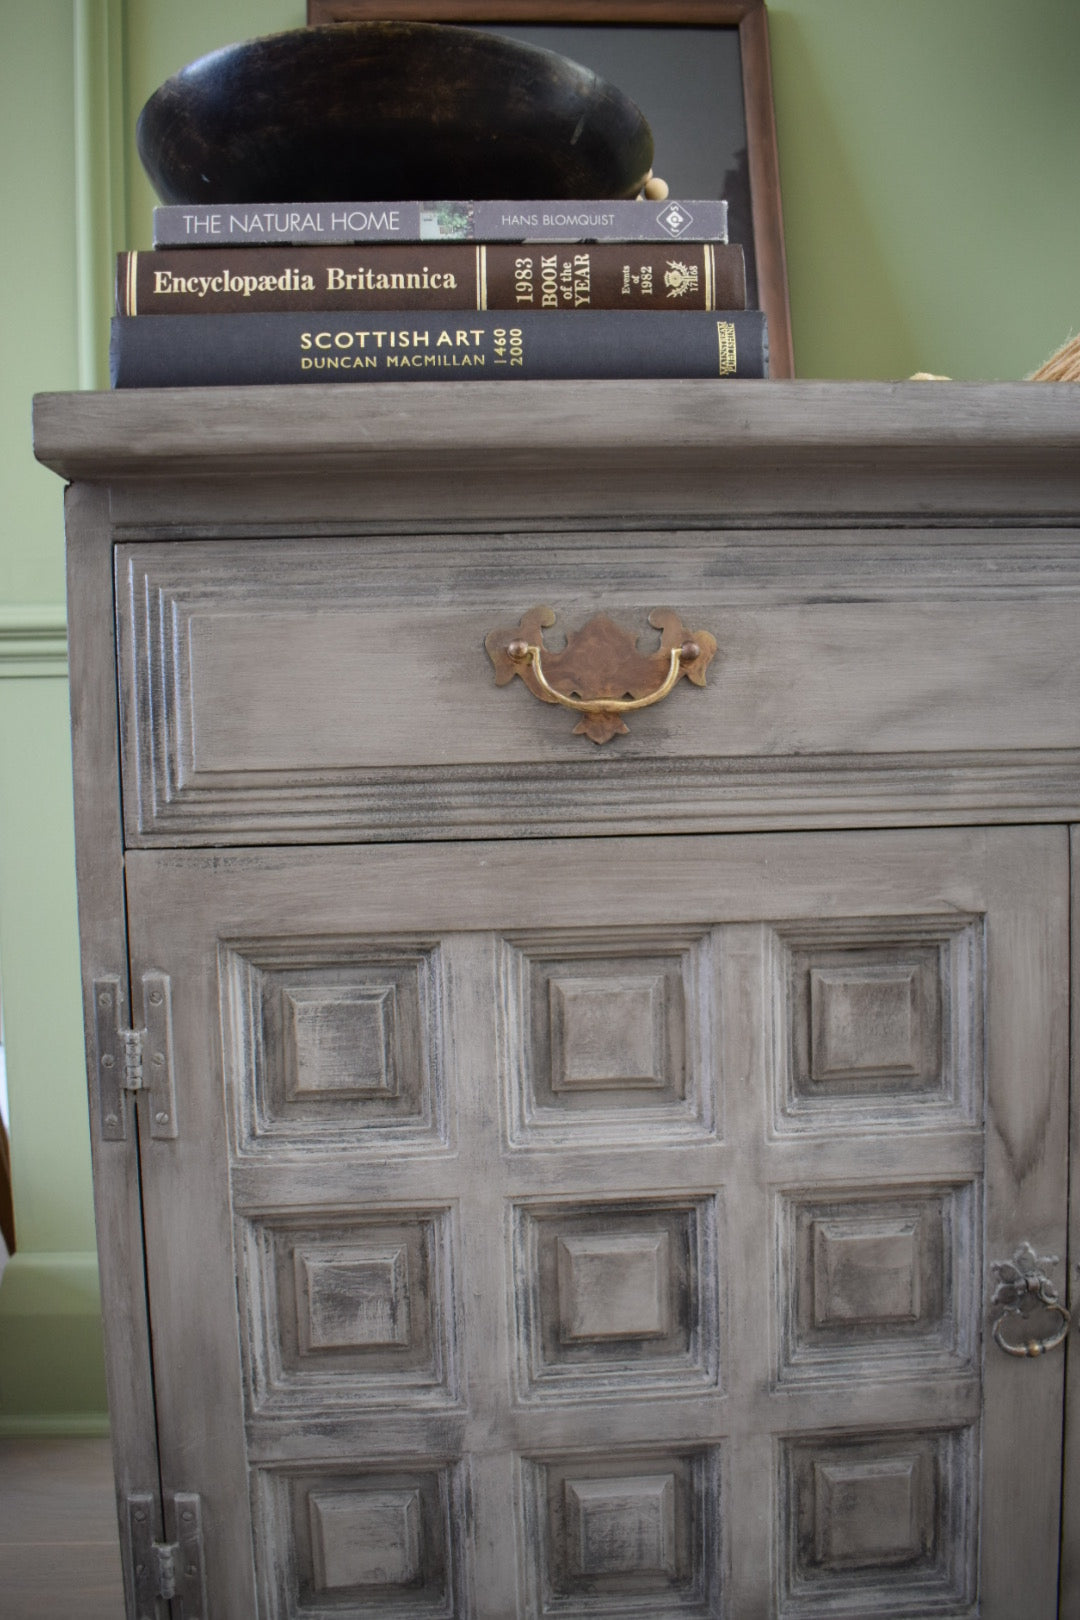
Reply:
x=379, y=111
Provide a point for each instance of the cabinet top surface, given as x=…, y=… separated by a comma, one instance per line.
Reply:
x=624, y=453
x=138, y=430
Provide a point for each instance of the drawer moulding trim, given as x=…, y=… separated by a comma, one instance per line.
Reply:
x=688, y=795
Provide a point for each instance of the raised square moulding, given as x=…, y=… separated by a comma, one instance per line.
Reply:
x=869, y=1513
x=365, y=1539
x=879, y=1023
x=621, y=1526
x=342, y=1042
x=866, y=1274
x=867, y=1021
x=617, y=1298
x=624, y=1534
x=371, y=1542
x=878, y=1523
x=614, y=1287
x=878, y=1283
x=357, y=1297
x=609, y=1035
x=354, y=1309
x=331, y=1042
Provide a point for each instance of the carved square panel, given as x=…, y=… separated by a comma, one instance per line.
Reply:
x=608, y=1035
x=341, y=1041
x=867, y=1274
x=616, y=1298
x=624, y=1535
x=351, y=1309
x=620, y=1526
x=882, y=1523
x=617, y=1286
x=352, y=1297
x=878, y=1023
x=872, y=1513
x=365, y=1538
x=874, y=1020
x=878, y=1283
x=368, y=1543
x=327, y=1042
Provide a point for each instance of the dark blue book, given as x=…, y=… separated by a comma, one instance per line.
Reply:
x=169, y=351
x=599, y=220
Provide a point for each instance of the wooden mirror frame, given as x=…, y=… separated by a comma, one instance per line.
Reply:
x=748, y=16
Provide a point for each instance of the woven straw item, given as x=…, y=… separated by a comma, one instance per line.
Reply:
x=1062, y=366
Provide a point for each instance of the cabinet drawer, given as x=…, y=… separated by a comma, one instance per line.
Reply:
x=328, y=689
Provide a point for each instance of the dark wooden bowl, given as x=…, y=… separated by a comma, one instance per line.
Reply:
x=377, y=111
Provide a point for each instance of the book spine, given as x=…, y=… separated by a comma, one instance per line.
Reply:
x=455, y=275
x=250, y=225
x=166, y=351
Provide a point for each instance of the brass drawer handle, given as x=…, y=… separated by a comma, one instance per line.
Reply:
x=1023, y=1287
x=600, y=663
x=520, y=650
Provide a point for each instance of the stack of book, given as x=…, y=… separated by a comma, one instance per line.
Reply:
x=357, y=292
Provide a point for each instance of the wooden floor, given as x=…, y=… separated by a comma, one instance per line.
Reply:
x=59, y=1553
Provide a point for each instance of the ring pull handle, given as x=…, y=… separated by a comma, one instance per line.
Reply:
x=601, y=674
x=1024, y=1288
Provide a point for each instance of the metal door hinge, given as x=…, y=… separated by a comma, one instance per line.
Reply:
x=132, y=1060
x=171, y=1569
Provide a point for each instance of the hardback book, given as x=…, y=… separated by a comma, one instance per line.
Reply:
x=292, y=223
x=452, y=275
x=166, y=351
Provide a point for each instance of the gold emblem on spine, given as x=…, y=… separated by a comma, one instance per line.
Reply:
x=725, y=333
x=680, y=278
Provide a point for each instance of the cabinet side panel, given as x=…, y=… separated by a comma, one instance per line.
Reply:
x=103, y=940
x=1027, y=996
x=1070, y=1522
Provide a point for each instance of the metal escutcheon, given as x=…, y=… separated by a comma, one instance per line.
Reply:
x=1023, y=1288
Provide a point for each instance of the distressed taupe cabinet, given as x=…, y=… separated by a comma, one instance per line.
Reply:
x=545, y=1179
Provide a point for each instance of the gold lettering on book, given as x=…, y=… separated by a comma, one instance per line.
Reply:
x=364, y=279
x=168, y=282
x=392, y=338
x=725, y=332
x=582, y=279
x=549, y=281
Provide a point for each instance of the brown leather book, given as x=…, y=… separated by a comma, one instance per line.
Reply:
x=456, y=275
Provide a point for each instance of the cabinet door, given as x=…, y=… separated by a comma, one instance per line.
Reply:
x=605, y=1227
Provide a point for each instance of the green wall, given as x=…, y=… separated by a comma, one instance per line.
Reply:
x=932, y=207
x=930, y=158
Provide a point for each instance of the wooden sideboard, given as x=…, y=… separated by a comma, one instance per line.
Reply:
x=539, y=1177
